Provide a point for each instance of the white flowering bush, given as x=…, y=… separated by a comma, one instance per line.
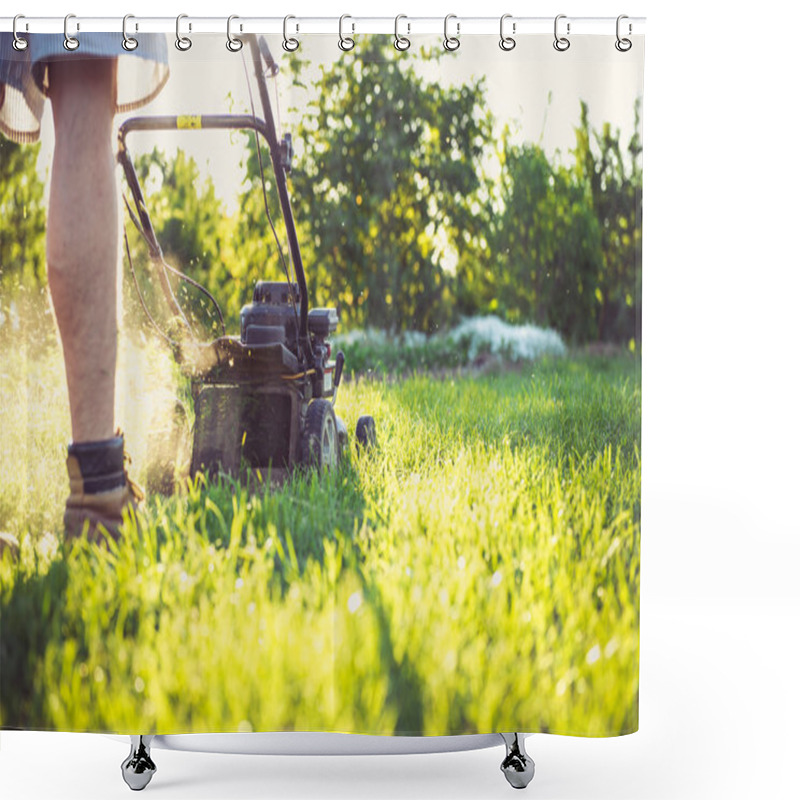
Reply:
x=492, y=335
x=471, y=342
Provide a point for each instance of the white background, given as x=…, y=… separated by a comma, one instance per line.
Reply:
x=720, y=605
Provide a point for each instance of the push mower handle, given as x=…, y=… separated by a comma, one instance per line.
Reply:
x=266, y=128
x=259, y=50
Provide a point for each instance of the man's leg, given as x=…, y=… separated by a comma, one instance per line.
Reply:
x=82, y=272
x=82, y=238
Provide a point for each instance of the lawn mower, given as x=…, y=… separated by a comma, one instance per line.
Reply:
x=263, y=400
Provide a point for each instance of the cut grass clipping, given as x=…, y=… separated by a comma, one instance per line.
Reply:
x=477, y=572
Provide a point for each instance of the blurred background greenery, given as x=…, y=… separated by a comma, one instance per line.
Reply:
x=401, y=223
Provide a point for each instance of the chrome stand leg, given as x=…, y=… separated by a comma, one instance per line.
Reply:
x=138, y=768
x=517, y=766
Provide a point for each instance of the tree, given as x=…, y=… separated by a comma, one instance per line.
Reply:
x=387, y=174
x=544, y=246
x=564, y=241
x=613, y=179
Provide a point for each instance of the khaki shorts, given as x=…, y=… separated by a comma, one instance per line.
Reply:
x=141, y=74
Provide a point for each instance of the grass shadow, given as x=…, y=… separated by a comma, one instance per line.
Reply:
x=30, y=618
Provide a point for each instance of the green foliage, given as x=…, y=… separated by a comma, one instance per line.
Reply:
x=564, y=243
x=195, y=234
x=401, y=225
x=384, y=355
x=22, y=215
x=388, y=170
x=479, y=571
x=261, y=253
x=544, y=246
x=613, y=177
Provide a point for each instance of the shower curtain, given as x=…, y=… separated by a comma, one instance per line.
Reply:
x=461, y=553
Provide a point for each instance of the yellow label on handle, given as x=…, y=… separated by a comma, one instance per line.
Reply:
x=190, y=121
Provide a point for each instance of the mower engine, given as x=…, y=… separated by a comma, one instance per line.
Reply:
x=274, y=316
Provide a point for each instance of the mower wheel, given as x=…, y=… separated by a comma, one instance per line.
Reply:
x=365, y=432
x=319, y=445
x=341, y=430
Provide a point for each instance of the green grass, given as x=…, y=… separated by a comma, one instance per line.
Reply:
x=479, y=571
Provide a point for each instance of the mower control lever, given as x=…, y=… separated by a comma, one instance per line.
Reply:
x=267, y=56
x=337, y=375
x=287, y=152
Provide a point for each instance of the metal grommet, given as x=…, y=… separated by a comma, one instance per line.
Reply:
x=290, y=44
x=183, y=43
x=401, y=43
x=70, y=42
x=561, y=43
x=507, y=42
x=345, y=42
x=19, y=43
x=233, y=44
x=128, y=42
x=623, y=45
x=451, y=42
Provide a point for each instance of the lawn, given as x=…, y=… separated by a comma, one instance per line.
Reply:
x=478, y=571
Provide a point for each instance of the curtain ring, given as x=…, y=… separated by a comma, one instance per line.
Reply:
x=128, y=42
x=623, y=45
x=70, y=42
x=345, y=42
x=451, y=43
x=401, y=43
x=234, y=44
x=183, y=43
x=19, y=43
x=507, y=42
x=290, y=44
x=561, y=43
